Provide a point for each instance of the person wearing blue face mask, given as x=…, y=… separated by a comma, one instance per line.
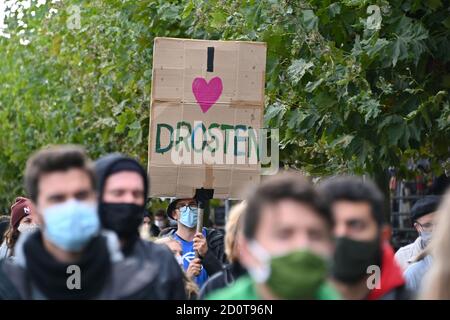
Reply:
x=69, y=257
x=209, y=243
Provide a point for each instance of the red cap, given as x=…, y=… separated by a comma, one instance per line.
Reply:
x=20, y=209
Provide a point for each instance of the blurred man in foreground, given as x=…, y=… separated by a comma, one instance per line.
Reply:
x=68, y=258
x=287, y=242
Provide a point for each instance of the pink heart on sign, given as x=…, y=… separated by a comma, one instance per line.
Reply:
x=207, y=93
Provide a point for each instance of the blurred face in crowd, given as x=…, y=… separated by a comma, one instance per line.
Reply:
x=287, y=226
x=425, y=223
x=26, y=221
x=124, y=187
x=425, y=226
x=61, y=186
x=161, y=221
x=175, y=247
x=354, y=220
x=26, y=224
x=147, y=220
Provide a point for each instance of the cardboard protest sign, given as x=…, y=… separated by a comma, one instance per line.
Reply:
x=206, y=110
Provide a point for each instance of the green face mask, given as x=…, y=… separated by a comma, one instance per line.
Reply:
x=295, y=275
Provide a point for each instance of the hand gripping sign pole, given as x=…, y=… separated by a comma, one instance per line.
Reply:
x=202, y=196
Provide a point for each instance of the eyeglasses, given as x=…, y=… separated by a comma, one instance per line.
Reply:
x=191, y=206
x=427, y=227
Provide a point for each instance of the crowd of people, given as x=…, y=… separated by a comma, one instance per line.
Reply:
x=289, y=239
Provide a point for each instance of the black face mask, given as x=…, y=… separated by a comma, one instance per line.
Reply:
x=122, y=218
x=351, y=259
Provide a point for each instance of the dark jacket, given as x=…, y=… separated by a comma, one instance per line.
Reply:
x=222, y=279
x=154, y=230
x=215, y=257
x=169, y=279
x=129, y=278
x=169, y=282
x=399, y=293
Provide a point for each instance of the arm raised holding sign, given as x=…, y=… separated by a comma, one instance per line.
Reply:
x=209, y=243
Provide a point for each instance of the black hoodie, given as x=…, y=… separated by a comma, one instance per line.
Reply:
x=104, y=166
x=170, y=277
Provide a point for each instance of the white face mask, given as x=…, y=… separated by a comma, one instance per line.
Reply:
x=144, y=231
x=27, y=227
x=426, y=237
x=259, y=274
x=159, y=224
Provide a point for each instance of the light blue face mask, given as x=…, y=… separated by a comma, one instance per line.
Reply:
x=70, y=225
x=188, y=216
x=426, y=237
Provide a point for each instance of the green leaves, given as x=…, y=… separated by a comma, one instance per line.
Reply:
x=297, y=70
x=409, y=41
x=374, y=48
x=345, y=89
x=334, y=9
x=342, y=141
x=367, y=106
x=89, y=86
x=169, y=12
x=311, y=86
x=310, y=20
x=274, y=114
x=444, y=119
x=187, y=9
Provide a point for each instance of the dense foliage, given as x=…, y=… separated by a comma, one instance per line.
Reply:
x=353, y=85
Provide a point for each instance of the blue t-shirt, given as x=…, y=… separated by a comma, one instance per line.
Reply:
x=189, y=255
